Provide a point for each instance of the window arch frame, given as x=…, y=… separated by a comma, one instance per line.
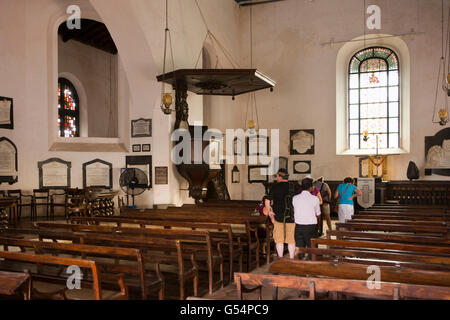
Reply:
x=349, y=88
x=64, y=112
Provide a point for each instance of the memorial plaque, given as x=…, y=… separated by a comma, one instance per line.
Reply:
x=8, y=161
x=302, y=142
x=141, y=162
x=97, y=174
x=367, y=187
x=302, y=167
x=54, y=173
x=161, y=175
x=6, y=113
x=258, y=174
x=141, y=128
x=146, y=148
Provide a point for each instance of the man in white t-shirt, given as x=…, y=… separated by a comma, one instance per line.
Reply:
x=306, y=211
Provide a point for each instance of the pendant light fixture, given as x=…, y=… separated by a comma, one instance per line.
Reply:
x=250, y=123
x=166, y=97
x=442, y=113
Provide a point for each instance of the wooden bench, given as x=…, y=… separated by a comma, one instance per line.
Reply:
x=219, y=232
x=341, y=270
x=249, y=236
x=399, y=217
x=401, y=238
x=60, y=261
x=381, y=253
x=15, y=284
x=200, y=241
x=135, y=275
x=155, y=250
x=403, y=222
x=313, y=285
x=355, y=225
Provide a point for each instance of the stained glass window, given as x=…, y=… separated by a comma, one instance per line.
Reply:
x=68, y=109
x=374, y=99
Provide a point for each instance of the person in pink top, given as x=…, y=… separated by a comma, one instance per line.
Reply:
x=315, y=191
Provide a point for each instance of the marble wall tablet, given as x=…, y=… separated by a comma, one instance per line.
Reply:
x=6, y=113
x=258, y=174
x=302, y=167
x=302, y=142
x=161, y=175
x=54, y=173
x=8, y=161
x=141, y=128
x=97, y=174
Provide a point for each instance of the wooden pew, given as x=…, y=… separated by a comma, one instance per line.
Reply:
x=421, y=213
x=218, y=232
x=381, y=253
x=399, y=217
x=156, y=250
x=390, y=237
x=313, y=285
x=60, y=261
x=146, y=281
x=355, y=225
x=200, y=241
x=340, y=270
x=249, y=237
x=403, y=222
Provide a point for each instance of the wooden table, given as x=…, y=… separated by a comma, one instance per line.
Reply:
x=12, y=283
x=10, y=203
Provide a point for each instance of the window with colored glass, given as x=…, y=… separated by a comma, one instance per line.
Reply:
x=68, y=109
x=374, y=99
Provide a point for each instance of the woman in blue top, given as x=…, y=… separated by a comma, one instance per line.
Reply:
x=347, y=192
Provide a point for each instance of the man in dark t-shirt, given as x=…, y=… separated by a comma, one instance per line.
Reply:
x=279, y=206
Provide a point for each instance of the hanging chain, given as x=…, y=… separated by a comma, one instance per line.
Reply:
x=442, y=65
x=214, y=40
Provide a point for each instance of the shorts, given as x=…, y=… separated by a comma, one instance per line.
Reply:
x=278, y=233
x=325, y=208
x=345, y=212
x=304, y=233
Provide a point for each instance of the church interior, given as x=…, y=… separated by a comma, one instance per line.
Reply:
x=139, y=137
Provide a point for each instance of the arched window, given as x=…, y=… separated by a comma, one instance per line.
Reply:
x=68, y=109
x=374, y=100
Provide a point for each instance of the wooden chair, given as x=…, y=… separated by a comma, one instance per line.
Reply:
x=20, y=203
x=41, y=197
x=76, y=203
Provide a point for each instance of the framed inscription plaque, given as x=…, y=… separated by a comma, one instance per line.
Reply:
x=258, y=174
x=161, y=175
x=141, y=162
x=6, y=113
x=8, y=161
x=302, y=141
x=54, y=173
x=97, y=174
x=141, y=128
x=146, y=148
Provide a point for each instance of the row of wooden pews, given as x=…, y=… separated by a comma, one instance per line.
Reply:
x=406, y=246
x=134, y=251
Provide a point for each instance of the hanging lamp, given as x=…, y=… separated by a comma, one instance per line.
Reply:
x=442, y=113
x=219, y=82
x=166, y=97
